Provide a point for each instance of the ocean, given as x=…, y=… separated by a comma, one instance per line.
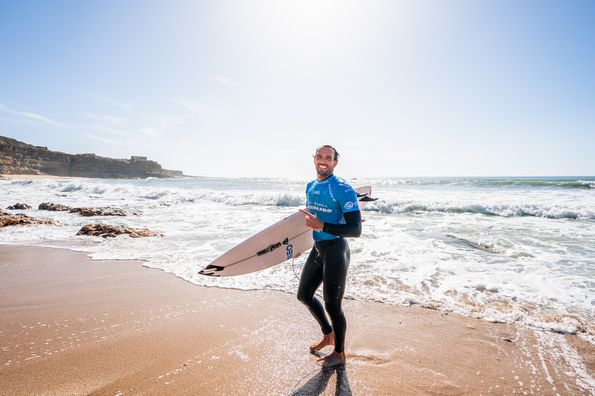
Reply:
x=513, y=250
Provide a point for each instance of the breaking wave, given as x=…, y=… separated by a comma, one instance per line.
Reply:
x=501, y=210
x=581, y=183
x=197, y=192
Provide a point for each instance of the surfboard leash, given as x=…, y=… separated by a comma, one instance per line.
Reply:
x=293, y=268
x=317, y=293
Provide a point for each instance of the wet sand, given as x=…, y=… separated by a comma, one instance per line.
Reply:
x=71, y=325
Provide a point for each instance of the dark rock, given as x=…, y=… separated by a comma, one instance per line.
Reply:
x=19, y=206
x=21, y=158
x=54, y=207
x=83, y=211
x=111, y=231
x=98, y=211
x=21, y=219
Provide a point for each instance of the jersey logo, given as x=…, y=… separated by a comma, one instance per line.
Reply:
x=349, y=205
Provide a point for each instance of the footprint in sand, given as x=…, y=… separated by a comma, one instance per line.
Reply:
x=368, y=357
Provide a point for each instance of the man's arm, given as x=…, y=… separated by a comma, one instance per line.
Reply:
x=352, y=228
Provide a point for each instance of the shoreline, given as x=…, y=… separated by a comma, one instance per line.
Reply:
x=71, y=324
x=54, y=177
x=36, y=177
x=584, y=336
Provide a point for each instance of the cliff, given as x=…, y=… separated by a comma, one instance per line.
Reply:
x=21, y=158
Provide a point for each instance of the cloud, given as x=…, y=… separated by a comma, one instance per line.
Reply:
x=133, y=125
x=160, y=124
x=123, y=106
x=107, y=129
x=109, y=123
x=30, y=115
x=220, y=79
x=148, y=125
x=365, y=139
x=193, y=105
x=206, y=112
x=198, y=107
x=107, y=118
x=104, y=140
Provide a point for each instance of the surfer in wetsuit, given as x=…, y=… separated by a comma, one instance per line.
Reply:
x=332, y=212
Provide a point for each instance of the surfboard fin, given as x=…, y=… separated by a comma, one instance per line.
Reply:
x=365, y=198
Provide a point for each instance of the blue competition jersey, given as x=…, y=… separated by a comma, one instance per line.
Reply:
x=328, y=200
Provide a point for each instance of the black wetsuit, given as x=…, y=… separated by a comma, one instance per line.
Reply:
x=327, y=264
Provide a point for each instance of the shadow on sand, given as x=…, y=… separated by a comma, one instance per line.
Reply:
x=318, y=383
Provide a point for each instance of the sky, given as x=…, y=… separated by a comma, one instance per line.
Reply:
x=251, y=88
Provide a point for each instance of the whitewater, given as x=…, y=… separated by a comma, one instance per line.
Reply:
x=515, y=250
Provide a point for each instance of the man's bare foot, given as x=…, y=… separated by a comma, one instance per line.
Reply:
x=335, y=359
x=327, y=339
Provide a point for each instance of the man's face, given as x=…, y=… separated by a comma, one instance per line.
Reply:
x=324, y=162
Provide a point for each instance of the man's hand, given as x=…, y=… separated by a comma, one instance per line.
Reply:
x=312, y=221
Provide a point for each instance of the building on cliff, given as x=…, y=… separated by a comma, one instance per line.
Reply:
x=21, y=158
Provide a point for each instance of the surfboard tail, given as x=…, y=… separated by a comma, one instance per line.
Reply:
x=211, y=270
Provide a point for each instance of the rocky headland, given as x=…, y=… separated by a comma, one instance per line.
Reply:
x=21, y=158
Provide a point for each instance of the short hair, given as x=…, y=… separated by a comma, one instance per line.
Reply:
x=336, y=157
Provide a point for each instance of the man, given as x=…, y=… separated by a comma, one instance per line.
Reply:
x=333, y=214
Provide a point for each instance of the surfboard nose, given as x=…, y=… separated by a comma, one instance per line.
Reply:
x=366, y=198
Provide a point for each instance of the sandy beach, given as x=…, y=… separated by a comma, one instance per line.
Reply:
x=71, y=325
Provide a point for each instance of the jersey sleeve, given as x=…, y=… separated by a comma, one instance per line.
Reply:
x=347, y=199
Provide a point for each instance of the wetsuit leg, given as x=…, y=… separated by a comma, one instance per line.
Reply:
x=310, y=281
x=335, y=257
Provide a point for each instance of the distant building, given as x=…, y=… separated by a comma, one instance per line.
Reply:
x=136, y=158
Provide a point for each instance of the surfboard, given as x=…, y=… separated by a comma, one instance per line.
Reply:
x=275, y=244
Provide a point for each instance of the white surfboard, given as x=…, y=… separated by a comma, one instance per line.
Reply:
x=275, y=244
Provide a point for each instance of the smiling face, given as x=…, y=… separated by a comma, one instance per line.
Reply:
x=324, y=162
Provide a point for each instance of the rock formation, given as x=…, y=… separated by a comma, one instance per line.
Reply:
x=21, y=219
x=53, y=207
x=83, y=211
x=21, y=158
x=19, y=206
x=98, y=211
x=110, y=231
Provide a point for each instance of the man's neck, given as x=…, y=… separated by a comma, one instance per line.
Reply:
x=329, y=176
